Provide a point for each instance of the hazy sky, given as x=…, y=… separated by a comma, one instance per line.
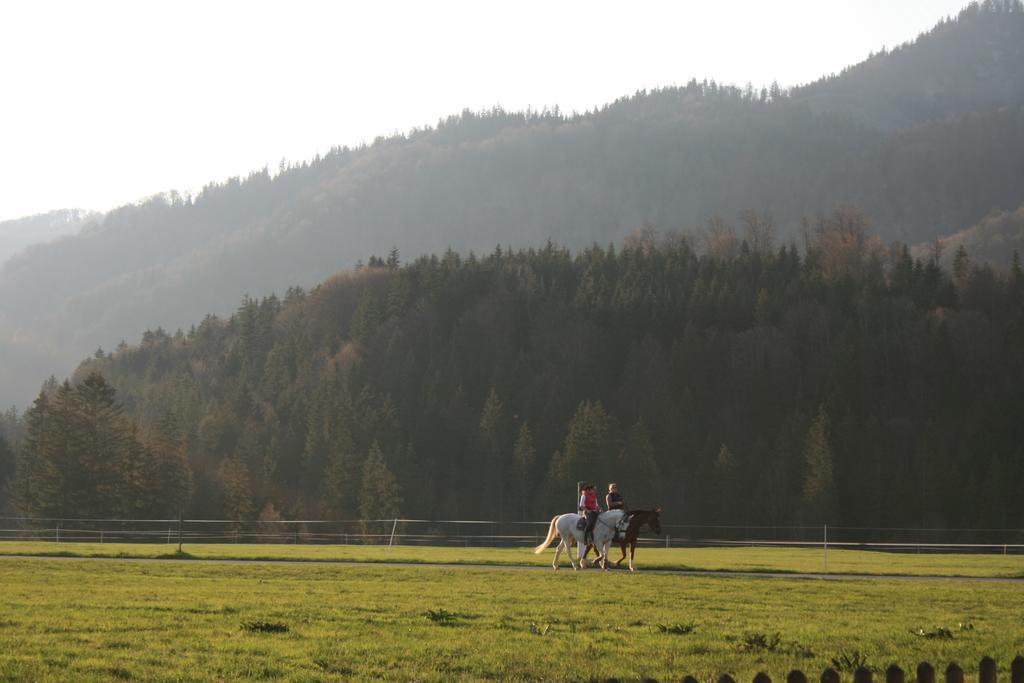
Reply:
x=103, y=103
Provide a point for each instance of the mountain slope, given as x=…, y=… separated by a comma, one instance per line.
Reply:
x=16, y=235
x=670, y=158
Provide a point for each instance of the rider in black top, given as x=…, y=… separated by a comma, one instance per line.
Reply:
x=614, y=499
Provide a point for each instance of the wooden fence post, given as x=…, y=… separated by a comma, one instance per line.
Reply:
x=688, y=679
x=987, y=670
x=954, y=674
x=725, y=678
x=829, y=675
x=1017, y=670
x=796, y=676
x=862, y=675
x=894, y=674
x=762, y=677
x=925, y=673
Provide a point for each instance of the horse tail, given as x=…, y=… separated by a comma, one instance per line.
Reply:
x=552, y=532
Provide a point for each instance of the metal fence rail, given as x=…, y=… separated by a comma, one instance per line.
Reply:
x=494, y=533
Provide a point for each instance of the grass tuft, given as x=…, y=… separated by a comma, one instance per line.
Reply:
x=760, y=642
x=851, y=661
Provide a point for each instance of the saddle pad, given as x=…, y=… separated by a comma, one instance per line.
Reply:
x=581, y=525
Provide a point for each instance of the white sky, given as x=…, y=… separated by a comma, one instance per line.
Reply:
x=103, y=103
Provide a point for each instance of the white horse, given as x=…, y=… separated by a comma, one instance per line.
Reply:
x=566, y=527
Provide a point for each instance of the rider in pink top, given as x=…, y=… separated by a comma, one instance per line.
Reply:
x=589, y=507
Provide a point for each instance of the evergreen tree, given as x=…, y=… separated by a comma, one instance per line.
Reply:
x=100, y=443
x=6, y=476
x=379, y=496
x=819, y=482
x=170, y=482
x=490, y=438
x=237, y=489
x=588, y=445
x=523, y=456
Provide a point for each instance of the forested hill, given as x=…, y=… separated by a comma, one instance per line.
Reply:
x=853, y=384
x=927, y=139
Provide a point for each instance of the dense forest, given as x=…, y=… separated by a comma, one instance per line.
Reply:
x=729, y=379
x=927, y=139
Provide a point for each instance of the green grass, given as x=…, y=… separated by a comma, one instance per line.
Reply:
x=796, y=560
x=186, y=621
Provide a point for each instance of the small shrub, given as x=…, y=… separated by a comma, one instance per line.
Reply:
x=258, y=626
x=676, y=629
x=441, y=616
x=851, y=661
x=760, y=642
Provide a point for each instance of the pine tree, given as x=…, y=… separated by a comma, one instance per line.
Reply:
x=379, y=496
x=170, y=475
x=588, y=445
x=100, y=446
x=819, y=480
x=235, y=483
x=523, y=455
x=6, y=476
x=490, y=437
x=638, y=474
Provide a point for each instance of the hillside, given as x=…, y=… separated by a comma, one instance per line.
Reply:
x=671, y=158
x=854, y=385
x=16, y=235
x=996, y=240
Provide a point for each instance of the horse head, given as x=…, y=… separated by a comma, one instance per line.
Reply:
x=654, y=520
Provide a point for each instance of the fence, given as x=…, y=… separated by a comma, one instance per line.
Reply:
x=987, y=673
x=493, y=533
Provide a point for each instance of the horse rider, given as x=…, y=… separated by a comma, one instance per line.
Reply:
x=590, y=508
x=614, y=499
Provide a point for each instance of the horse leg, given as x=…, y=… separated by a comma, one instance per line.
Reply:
x=579, y=555
x=632, y=553
x=604, y=556
x=622, y=547
x=558, y=553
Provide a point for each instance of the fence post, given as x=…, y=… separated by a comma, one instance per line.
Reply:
x=826, y=548
x=180, y=520
x=58, y=532
x=391, y=541
x=925, y=673
x=862, y=675
x=954, y=674
x=101, y=536
x=894, y=674
x=987, y=670
x=762, y=677
x=1017, y=670
x=796, y=676
x=829, y=675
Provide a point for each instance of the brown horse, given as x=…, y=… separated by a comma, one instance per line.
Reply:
x=637, y=520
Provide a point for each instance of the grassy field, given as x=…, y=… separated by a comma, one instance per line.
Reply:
x=88, y=620
x=795, y=560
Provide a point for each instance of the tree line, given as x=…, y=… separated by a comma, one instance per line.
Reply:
x=723, y=377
